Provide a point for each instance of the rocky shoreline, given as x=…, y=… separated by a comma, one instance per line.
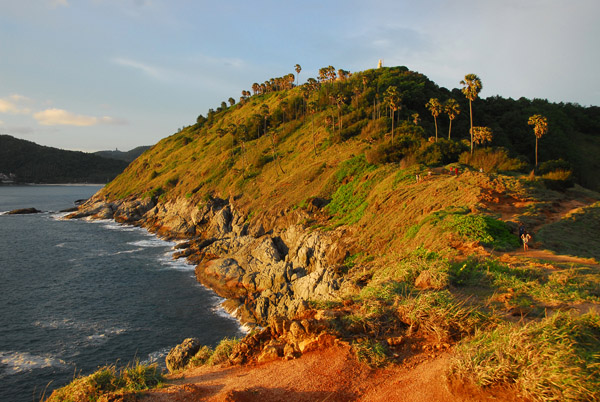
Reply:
x=268, y=267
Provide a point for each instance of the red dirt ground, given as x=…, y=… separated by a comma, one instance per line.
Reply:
x=331, y=375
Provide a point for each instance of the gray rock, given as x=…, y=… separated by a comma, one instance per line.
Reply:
x=181, y=354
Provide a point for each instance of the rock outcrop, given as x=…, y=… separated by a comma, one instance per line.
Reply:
x=181, y=354
x=24, y=211
x=267, y=267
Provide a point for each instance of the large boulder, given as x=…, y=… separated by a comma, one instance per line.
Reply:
x=181, y=354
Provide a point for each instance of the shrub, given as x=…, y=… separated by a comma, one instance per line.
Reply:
x=441, y=152
x=222, y=351
x=484, y=229
x=492, y=160
x=437, y=313
x=201, y=357
x=371, y=352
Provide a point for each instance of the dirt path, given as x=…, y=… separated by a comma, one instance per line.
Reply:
x=331, y=375
x=547, y=255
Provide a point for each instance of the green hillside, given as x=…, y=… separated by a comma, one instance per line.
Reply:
x=33, y=163
x=427, y=256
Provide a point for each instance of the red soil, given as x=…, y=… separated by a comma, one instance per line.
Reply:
x=331, y=374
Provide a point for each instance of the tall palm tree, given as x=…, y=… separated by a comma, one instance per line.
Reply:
x=452, y=109
x=540, y=128
x=472, y=87
x=435, y=107
x=298, y=69
x=312, y=108
x=392, y=98
x=482, y=135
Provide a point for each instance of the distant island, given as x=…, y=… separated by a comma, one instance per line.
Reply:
x=24, y=161
x=127, y=156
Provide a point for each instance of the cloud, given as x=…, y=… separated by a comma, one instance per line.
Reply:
x=60, y=117
x=12, y=105
x=147, y=69
x=58, y=3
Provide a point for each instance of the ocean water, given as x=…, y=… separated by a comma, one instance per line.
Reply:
x=78, y=294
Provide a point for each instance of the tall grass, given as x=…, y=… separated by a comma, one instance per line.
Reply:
x=555, y=359
x=109, y=380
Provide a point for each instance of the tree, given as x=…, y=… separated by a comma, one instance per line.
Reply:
x=416, y=118
x=481, y=134
x=392, y=98
x=298, y=69
x=472, y=87
x=452, y=109
x=231, y=101
x=435, y=107
x=540, y=128
x=340, y=100
x=312, y=108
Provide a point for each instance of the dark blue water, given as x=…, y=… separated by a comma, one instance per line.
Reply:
x=75, y=295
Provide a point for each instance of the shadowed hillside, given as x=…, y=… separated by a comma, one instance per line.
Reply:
x=32, y=163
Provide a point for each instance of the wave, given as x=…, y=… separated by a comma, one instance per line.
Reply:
x=152, y=242
x=18, y=362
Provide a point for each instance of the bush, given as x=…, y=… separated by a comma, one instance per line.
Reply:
x=441, y=152
x=492, y=160
x=370, y=352
x=484, y=229
x=222, y=351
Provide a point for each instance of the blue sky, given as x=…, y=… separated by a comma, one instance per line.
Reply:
x=104, y=74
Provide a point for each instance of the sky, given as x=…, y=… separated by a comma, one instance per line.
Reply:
x=94, y=75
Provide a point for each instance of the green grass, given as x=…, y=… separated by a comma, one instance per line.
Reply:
x=576, y=234
x=109, y=380
x=555, y=359
x=371, y=352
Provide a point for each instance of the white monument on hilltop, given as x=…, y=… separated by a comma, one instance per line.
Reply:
x=380, y=64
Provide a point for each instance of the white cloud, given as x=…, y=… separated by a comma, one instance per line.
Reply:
x=58, y=3
x=60, y=117
x=147, y=69
x=13, y=104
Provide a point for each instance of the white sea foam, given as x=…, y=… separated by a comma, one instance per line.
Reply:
x=157, y=357
x=180, y=264
x=153, y=242
x=19, y=362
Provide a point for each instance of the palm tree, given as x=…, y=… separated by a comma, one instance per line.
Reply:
x=472, y=87
x=312, y=108
x=416, y=118
x=340, y=100
x=452, y=109
x=392, y=98
x=298, y=69
x=540, y=128
x=482, y=134
x=435, y=107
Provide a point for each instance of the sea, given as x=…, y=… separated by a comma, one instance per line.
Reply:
x=79, y=294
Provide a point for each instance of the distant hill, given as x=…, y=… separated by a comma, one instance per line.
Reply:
x=128, y=156
x=27, y=162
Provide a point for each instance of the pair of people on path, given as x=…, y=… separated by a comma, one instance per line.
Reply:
x=525, y=237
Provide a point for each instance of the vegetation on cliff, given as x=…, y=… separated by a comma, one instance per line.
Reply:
x=427, y=226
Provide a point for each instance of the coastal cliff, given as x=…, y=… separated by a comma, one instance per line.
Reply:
x=264, y=268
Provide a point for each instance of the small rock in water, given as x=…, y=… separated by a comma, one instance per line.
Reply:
x=23, y=211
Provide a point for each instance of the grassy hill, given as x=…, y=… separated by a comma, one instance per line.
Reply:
x=433, y=257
